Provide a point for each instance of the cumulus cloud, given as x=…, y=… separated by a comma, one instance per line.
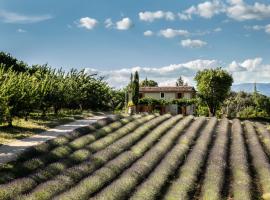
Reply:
x=171, y=33
x=218, y=29
x=266, y=28
x=124, y=24
x=165, y=75
x=16, y=18
x=251, y=65
x=193, y=43
x=234, y=9
x=21, y=30
x=241, y=11
x=148, y=33
x=152, y=16
x=206, y=10
x=249, y=70
x=108, y=23
x=88, y=23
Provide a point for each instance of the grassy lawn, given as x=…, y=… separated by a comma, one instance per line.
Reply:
x=36, y=124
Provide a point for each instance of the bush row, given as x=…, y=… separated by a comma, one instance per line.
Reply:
x=188, y=174
x=106, y=141
x=63, y=151
x=259, y=160
x=71, y=176
x=24, y=184
x=216, y=164
x=64, y=139
x=37, y=151
x=264, y=137
x=93, y=183
x=239, y=164
x=127, y=182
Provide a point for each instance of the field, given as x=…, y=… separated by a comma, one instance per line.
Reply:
x=146, y=157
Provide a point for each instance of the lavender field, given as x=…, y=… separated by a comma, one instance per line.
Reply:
x=146, y=157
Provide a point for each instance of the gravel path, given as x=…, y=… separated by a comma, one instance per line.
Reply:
x=10, y=151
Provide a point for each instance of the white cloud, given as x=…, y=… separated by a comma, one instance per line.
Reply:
x=21, y=30
x=108, y=23
x=124, y=24
x=206, y=10
x=171, y=33
x=88, y=23
x=266, y=28
x=164, y=75
x=152, y=16
x=16, y=18
x=148, y=33
x=234, y=9
x=249, y=70
x=218, y=29
x=193, y=43
x=241, y=11
x=251, y=65
x=235, y=67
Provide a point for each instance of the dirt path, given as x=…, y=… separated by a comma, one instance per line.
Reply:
x=10, y=151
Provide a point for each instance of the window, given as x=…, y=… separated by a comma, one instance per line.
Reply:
x=179, y=95
x=162, y=95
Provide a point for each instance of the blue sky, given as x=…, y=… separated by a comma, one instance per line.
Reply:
x=161, y=39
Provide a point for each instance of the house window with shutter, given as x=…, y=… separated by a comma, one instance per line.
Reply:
x=162, y=95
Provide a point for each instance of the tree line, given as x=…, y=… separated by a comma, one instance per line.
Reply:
x=40, y=88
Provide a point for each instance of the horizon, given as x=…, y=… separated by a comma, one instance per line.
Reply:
x=161, y=40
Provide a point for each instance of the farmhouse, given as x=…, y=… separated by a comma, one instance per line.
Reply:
x=171, y=95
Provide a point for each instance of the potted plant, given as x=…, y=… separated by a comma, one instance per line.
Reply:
x=131, y=107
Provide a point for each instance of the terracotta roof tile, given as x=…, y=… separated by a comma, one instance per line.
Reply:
x=168, y=89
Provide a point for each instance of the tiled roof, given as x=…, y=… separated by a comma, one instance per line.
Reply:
x=168, y=89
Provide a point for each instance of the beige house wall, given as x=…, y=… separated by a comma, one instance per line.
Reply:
x=167, y=95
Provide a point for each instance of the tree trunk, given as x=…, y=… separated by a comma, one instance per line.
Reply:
x=10, y=122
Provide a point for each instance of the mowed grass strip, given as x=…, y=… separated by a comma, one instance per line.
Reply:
x=112, y=169
x=216, y=165
x=259, y=159
x=69, y=177
x=122, y=187
x=26, y=183
x=241, y=182
x=264, y=137
x=188, y=174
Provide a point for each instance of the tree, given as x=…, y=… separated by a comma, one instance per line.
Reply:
x=180, y=81
x=148, y=83
x=135, y=89
x=213, y=87
x=10, y=62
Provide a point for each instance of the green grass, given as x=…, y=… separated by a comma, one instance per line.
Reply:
x=37, y=124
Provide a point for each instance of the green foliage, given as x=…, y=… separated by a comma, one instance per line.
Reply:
x=10, y=62
x=152, y=101
x=180, y=81
x=135, y=89
x=148, y=83
x=43, y=88
x=213, y=87
x=246, y=105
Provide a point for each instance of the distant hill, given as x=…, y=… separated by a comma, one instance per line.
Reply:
x=263, y=88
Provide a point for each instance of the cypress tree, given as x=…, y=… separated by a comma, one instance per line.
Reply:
x=135, y=89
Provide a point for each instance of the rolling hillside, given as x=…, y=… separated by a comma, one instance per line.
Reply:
x=263, y=88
